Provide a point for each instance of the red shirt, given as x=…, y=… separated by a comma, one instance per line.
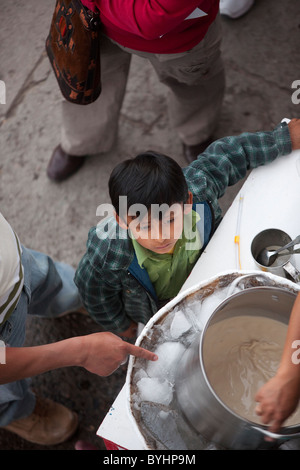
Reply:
x=158, y=26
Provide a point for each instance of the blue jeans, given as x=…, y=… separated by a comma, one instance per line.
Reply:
x=48, y=291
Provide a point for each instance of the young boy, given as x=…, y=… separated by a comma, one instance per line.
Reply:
x=139, y=259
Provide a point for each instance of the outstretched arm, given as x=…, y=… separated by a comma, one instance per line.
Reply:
x=279, y=397
x=227, y=160
x=99, y=353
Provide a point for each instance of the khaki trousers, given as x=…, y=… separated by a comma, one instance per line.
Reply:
x=196, y=83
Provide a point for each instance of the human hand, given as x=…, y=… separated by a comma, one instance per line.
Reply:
x=294, y=128
x=103, y=353
x=277, y=400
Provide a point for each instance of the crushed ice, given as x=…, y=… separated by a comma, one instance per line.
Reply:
x=153, y=396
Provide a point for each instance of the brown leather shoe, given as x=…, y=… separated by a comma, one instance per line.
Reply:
x=62, y=165
x=50, y=423
x=191, y=152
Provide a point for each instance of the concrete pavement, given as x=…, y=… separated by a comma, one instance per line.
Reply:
x=261, y=54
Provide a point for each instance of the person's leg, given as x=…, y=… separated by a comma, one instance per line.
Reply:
x=196, y=81
x=93, y=128
x=16, y=398
x=52, y=288
x=48, y=291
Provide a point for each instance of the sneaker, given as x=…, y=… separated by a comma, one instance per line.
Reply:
x=235, y=8
x=50, y=423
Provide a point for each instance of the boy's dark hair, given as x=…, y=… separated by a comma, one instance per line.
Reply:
x=149, y=178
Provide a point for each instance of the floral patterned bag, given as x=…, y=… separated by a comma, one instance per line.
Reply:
x=73, y=48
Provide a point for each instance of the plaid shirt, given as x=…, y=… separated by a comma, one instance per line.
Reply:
x=112, y=296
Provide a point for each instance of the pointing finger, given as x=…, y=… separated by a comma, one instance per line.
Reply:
x=141, y=352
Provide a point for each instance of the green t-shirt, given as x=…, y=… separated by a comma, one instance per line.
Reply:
x=169, y=271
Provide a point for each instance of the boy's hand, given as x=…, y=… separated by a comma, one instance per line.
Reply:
x=294, y=128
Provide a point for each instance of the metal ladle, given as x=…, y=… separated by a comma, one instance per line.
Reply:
x=267, y=257
x=294, y=252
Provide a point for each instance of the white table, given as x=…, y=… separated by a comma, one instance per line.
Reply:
x=271, y=199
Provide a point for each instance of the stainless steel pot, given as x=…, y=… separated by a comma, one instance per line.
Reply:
x=271, y=239
x=197, y=400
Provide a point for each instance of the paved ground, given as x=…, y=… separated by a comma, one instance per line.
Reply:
x=261, y=54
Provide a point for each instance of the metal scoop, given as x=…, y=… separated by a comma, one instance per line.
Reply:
x=294, y=252
x=268, y=257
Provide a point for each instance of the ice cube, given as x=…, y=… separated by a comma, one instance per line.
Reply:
x=162, y=424
x=155, y=390
x=179, y=325
x=166, y=365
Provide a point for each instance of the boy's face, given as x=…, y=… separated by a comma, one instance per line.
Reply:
x=159, y=234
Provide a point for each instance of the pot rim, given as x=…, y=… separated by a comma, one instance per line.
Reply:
x=201, y=359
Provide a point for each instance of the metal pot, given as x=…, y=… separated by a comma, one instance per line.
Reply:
x=197, y=400
x=268, y=239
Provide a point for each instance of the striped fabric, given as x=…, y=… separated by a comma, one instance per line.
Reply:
x=11, y=270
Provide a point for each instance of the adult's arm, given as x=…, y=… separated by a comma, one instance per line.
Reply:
x=279, y=397
x=99, y=353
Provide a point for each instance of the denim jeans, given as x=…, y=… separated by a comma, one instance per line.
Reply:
x=48, y=291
